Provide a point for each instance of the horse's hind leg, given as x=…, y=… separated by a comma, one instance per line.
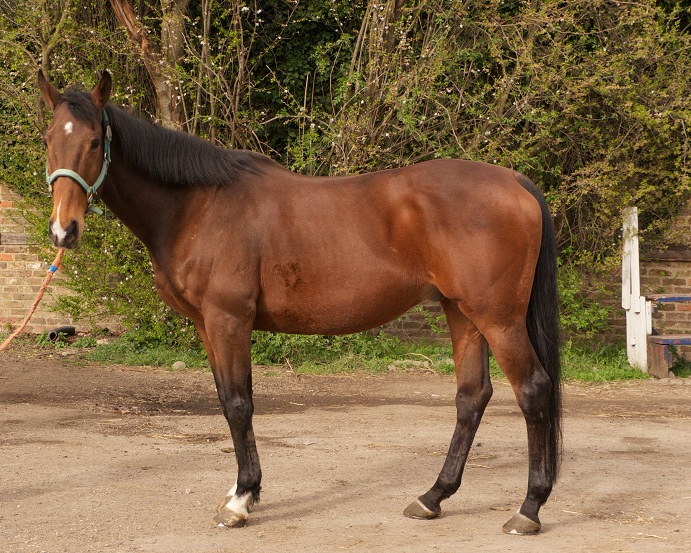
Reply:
x=514, y=352
x=473, y=392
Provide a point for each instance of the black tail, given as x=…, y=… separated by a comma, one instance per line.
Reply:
x=543, y=321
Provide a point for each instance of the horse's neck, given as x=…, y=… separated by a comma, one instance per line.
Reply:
x=146, y=208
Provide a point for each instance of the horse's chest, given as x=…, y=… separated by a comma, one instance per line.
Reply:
x=176, y=295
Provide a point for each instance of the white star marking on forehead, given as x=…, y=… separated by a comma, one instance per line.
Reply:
x=68, y=127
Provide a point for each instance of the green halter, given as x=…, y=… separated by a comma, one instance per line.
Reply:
x=91, y=191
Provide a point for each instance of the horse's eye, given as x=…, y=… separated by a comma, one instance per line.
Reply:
x=95, y=143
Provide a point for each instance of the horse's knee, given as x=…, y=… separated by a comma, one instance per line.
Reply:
x=238, y=409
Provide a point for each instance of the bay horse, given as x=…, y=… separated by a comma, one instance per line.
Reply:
x=239, y=243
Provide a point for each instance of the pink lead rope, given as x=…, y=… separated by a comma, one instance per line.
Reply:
x=54, y=267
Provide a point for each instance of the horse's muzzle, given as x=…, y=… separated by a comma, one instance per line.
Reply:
x=64, y=238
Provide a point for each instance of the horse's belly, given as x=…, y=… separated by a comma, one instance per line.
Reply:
x=341, y=311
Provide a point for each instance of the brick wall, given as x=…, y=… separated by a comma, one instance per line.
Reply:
x=668, y=276
x=669, y=272
x=22, y=272
x=415, y=324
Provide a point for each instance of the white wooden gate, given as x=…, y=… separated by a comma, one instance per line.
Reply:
x=638, y=309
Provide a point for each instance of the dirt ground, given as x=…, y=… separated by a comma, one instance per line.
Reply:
x=124, y=459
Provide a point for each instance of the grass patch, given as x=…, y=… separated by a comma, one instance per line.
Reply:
x=373, y=353
x=602, y=364
x=128, y=350
x=160, y=356
x=370, y=353
x=682, y=367
x=303, y=354
x=682, y=370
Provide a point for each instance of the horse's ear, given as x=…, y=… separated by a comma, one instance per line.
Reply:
x=101, y=92
x=50, y=94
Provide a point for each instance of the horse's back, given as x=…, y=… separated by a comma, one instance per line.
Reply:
x=444, y=190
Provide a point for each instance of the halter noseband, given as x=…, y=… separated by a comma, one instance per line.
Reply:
x=91, y=191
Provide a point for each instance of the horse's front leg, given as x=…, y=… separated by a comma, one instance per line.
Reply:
x=228, y=347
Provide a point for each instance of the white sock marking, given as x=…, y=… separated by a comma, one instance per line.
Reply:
x=240, y=504
x=232, y=491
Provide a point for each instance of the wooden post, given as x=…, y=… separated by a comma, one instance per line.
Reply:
x=638, y=317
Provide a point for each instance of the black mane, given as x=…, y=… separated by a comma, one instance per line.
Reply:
x=171, y=157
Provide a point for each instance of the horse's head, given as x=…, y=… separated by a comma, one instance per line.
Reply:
x=77, y=141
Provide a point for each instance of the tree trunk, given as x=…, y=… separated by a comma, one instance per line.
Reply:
x=173, y=46
x=159, y=63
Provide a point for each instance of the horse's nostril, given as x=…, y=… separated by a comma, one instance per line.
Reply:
x=71, y=229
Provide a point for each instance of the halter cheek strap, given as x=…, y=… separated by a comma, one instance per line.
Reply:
x=91, y=191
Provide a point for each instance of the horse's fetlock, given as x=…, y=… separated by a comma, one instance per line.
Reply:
x=253, y=487
x=540, y=491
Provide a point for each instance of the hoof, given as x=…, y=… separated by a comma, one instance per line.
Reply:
x=418, y=511
x=521, y=525
x=229, y=519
